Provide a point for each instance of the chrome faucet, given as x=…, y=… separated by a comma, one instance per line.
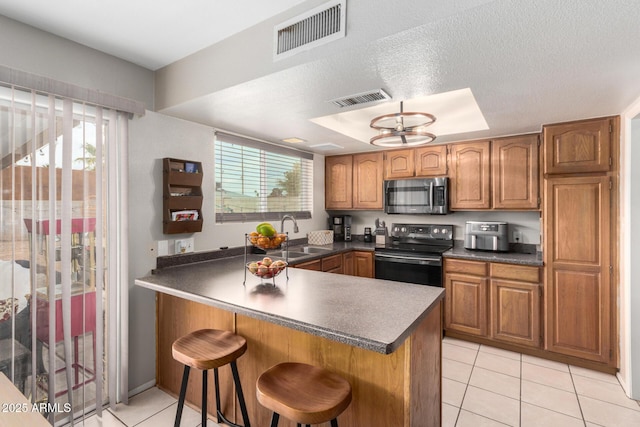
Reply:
x=295, y=223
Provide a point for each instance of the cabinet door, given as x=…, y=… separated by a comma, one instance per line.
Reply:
x=338, y=182
x=316, y=265
x=514, y=164
x=466, y=304
x=583, y=146
x=367, y=181
x=431, y=160
x=577, y=259
x=470, y=179
x=399, y=164
x=363, y=264
x=332, y=264
x=515, y=312
x=347, y=263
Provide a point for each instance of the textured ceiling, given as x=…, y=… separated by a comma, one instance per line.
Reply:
x=526, y=63
x=150, y=33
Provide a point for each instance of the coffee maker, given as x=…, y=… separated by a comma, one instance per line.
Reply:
x=341, y=226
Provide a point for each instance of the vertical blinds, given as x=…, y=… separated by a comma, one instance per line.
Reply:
x=257, y=181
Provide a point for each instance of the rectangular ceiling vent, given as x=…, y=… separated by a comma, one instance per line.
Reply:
x=361, y=98
x=311, y=29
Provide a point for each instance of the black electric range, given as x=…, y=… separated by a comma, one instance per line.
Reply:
x=413, y=253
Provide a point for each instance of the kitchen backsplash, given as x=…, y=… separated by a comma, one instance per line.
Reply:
x=526, y=224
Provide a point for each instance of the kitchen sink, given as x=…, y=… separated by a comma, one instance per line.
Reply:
x=313, y=250
x=294, y=254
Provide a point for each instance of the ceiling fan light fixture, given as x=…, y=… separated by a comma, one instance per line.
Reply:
x=402, y=129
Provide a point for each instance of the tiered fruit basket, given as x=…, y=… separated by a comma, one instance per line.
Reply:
x=266, y=268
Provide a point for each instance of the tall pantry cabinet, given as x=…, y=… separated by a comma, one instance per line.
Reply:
x=580, y=229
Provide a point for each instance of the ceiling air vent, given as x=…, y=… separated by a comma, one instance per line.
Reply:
x=314, y=28
x=361, y=98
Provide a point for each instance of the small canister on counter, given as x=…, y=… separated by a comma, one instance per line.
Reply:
x=368, y=238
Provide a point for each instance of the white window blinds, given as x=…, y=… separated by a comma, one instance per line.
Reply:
x=256, y=181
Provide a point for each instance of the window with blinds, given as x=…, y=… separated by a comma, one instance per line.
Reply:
x=259, y=182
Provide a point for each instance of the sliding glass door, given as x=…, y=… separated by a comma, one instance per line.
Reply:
x=60, y=235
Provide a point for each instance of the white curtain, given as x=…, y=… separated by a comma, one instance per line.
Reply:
x=63, y=251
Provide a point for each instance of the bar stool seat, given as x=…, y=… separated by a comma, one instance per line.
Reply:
x=206, y=349
x=303, y=393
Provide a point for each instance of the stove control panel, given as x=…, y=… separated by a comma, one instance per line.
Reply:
x=422, y=231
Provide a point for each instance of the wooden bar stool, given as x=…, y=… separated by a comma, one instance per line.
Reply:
x=209, y=349
x=303, y=393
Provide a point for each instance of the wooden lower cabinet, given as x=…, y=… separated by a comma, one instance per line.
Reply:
x=352, y=263
x=363, y=264
x=492, y=300
x=466, y=304
x=316, y=265
x=332, y=264
x=515, y=312
x=347, y=263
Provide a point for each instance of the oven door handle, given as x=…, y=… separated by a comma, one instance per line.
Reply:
x=411, y=260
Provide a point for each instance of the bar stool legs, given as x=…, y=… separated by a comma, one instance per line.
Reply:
x=208, y=349
x=220, y=415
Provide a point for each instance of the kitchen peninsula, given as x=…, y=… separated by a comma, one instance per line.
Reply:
x=382, y=336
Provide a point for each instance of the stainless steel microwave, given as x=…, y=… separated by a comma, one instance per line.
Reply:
x=417, y=196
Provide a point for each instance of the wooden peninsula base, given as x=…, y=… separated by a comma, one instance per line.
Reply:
x=398, y=389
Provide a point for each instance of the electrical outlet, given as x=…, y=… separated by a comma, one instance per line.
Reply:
x=183, y=246
x=517, y=237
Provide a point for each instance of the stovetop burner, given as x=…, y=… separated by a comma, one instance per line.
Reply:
x=419, y=238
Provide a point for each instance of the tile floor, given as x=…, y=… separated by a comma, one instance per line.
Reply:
x=481, y=386
x=487, y=386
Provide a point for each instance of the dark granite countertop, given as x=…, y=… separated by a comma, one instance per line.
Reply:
x=373, y=314
x=458, y=251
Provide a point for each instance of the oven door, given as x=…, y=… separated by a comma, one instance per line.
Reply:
x=410, y=268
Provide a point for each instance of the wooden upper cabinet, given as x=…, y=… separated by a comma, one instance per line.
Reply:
x=367, y=181
x=338, y=182
x=470, y=175
x=431, y=160
x=399, y=164
x=514, y=164
x=581, y=146
x=577, y=218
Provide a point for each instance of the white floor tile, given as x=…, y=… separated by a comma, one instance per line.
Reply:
x=456, y=371
x=551, y=398
x=500, y=352
x=449, y=415
x=546, y=363
x=505, y=385
x=604, y=391
x=459, y=354
x=607, y=414
x=498, y=364
x=547, y=376
x=492, y=405
x=596, y=375
x=469, y=419
x=452, y=392
x=107, y=420
x=534, y=416
x=143, y=406
x=166, y=418
x=461, y=343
